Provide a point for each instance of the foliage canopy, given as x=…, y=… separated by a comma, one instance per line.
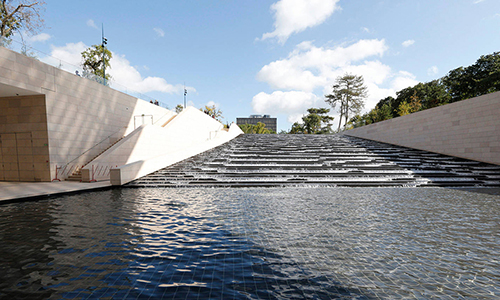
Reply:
x=95, y=62
x=462, y=83
x=317, y=121
x=348, y=93
x=259, y=128
x=20, y=14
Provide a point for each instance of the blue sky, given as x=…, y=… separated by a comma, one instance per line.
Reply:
x=276, y=57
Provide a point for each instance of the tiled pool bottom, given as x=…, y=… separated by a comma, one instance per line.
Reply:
x=317, y=243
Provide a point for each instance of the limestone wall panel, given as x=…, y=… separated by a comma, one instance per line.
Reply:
x=74, y=115
x=465, y=129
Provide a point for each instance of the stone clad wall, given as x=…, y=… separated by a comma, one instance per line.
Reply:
x=71, y=116
x=24, y=152
x=469, y=129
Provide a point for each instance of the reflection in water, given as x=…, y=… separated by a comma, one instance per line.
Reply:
x=318, y=243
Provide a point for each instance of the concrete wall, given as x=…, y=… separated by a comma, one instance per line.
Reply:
x=134, y=170
x=82, y=117
x=186, y=135
x=469, y=129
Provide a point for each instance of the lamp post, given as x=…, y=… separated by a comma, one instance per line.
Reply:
x=104, y=43
x=185, y=93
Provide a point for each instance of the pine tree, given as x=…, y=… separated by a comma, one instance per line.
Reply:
x=348, y=93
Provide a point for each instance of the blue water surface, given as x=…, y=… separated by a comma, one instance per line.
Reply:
x=291, y=243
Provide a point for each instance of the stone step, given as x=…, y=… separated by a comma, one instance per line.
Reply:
x=299, y=160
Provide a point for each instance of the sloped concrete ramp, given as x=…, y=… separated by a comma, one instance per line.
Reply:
x=320, y=160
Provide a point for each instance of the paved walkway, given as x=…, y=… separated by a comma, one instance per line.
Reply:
x=13, y=191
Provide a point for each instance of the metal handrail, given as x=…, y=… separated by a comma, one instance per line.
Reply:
x=90, y=149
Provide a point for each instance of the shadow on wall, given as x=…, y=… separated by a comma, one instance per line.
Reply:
x=151, y=147
x=82, y=117
x=24, y=153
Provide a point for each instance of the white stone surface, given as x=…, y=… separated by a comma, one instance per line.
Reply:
x=469, y=129
x=81, y=117
x=151, y=147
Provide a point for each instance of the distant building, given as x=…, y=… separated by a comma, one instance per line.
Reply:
x=271, y=123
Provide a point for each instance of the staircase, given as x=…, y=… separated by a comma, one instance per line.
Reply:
x=77, y=173
x=320, y=160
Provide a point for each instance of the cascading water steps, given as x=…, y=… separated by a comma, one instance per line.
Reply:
x=320, y=160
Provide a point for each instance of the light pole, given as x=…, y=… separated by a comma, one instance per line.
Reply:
x=104, y=43
x=185, y=93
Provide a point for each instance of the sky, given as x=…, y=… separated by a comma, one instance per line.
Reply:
x=274, y=57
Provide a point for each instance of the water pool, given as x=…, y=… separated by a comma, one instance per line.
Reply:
x=292, y=243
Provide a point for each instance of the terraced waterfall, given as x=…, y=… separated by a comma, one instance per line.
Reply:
x=320, y=160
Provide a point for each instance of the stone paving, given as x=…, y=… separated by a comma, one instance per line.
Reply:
x=20, y=191
x=320, y=160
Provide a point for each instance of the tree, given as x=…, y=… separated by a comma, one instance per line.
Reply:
x=259, y=128
x=317, y=121
x=404, y=109
x=213, y=111
x=95, y=61
x=481, y=78
x=297, y=128
x=348, y=93
x=19, y=14
x=246, y=128
x=384, y=113
x=486, y=74
x=179, y=108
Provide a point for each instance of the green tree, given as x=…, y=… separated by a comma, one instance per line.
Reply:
x=297, y=128
x=246, y=128
x=384, y=113
x=481, y=78
x=19, y=14
x=259, y=128
x=486, y=74
x=95, y=62
x=213, y=111
x=179, y=108
x=459, y=84
x=317, y=121
x=404, y=109
x=348, y=93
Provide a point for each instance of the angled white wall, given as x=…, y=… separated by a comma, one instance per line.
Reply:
x=151, y=147
x=469, y=129
x=82, y=117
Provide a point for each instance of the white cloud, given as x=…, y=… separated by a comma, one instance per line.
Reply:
x=478, y=1
x=126, y=75
x=212, y=103
x=284, y=102
x=308, y=67
x=403, y=80
x=42, y=37
x=365, y=29
x=122, y=72
x=159, y=32
x=303, y=78
x=292, y=16
x=67, y=57
x=432, y=71
x=91, y=23
x=408, y=43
